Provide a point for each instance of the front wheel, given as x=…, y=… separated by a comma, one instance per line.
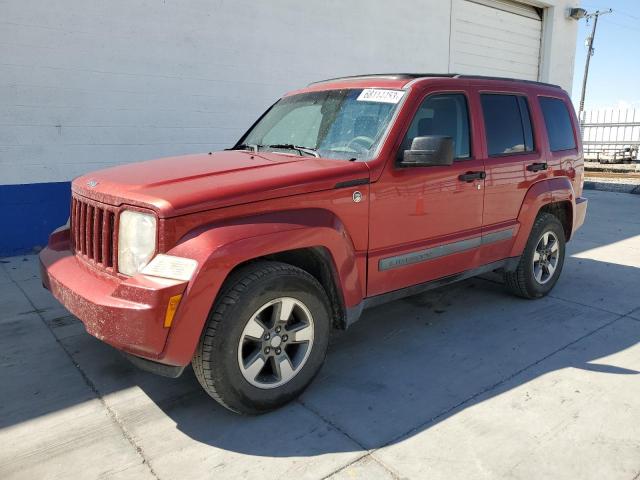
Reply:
x=266, y=338
x=542, y=260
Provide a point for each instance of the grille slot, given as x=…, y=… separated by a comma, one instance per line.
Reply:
x=93, y=232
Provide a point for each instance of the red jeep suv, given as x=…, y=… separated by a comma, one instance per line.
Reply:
x=343, y=195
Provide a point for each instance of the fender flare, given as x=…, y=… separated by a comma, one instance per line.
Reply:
x=221, y=247
x=542, y=193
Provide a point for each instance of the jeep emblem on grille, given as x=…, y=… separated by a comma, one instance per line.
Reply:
x=92, y=183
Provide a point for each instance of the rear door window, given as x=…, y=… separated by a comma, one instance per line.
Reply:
x=507, y=124
x=558, y=122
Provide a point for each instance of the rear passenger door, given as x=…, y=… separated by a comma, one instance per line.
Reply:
x=513, y=161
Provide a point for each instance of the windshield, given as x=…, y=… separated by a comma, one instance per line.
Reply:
x=343, y=124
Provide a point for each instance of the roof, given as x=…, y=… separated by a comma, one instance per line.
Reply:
x=413, y=76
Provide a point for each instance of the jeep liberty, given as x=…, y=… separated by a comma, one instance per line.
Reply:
x=343, y=195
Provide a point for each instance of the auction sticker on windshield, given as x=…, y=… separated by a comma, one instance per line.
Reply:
x=380, y=95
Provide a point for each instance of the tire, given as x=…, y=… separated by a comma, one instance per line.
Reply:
x=530, y=279
x=233, y=347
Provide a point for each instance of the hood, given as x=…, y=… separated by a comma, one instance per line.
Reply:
x=180, y=185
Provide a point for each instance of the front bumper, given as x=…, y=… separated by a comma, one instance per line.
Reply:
x=125, y=313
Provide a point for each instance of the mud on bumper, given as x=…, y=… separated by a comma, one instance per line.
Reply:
x=125, y=313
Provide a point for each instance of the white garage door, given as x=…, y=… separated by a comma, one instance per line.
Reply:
x=496, y=37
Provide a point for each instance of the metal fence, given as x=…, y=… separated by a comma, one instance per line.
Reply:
x=611, y=136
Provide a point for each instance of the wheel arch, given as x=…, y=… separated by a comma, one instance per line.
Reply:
x=313, y=240
x=555, y=196
x=319, y=263
x=563, y=211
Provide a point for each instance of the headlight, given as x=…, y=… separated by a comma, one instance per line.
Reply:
x=136, y=241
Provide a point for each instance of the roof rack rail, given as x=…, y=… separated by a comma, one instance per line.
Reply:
x=509, y=79
x=412, y=76
x=392, y=76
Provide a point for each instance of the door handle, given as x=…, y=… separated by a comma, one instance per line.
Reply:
x=534, y=167
x=471, y=176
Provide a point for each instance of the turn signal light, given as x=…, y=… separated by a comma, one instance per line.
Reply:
x=171, y=310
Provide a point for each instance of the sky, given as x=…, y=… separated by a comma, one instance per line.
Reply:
x=614, y=73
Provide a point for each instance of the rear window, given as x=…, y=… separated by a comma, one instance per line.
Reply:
x=507, y=124
x=558, y=122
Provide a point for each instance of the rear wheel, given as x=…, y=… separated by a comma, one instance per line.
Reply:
x=542, y=260
x=266, y=338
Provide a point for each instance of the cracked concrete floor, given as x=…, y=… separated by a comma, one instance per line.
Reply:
x=462, y=382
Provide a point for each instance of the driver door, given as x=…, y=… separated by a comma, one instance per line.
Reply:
x=426, y=221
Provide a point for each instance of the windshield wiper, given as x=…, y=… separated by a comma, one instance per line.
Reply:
x=289, y=146
x=244, y=146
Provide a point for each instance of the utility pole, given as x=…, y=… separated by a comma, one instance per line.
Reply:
x=590, y=53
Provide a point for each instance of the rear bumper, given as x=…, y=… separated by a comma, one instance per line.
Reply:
x=580, y=212
x=125, y=313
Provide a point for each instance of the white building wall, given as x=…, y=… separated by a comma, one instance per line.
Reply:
x=85, y=85
x=559, y=34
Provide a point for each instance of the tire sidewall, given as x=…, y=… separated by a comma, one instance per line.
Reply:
x=224, y=362
x=544, y=224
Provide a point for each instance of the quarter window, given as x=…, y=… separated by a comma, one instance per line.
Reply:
x=445, y=114
x=559, y=129
x=507, y=123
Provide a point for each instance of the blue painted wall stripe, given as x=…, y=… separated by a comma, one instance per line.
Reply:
x=29, y=213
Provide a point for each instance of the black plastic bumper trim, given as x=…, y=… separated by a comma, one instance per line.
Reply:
x=171, y=371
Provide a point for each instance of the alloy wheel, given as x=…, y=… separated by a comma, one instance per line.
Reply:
x=546, y=257
x=275, y=343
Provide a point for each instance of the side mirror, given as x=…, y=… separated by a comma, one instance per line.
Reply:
x=429, y=151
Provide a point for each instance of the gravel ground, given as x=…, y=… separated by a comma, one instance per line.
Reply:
x=612, y=167
x=613, y=184
x=619, y=185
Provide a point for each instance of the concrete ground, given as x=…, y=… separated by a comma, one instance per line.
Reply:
x=463, y=382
